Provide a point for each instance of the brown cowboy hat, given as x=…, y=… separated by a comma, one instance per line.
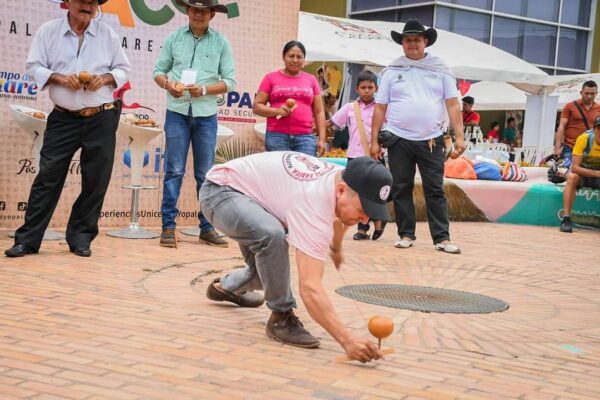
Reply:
x=414, y=27
x=202, y=4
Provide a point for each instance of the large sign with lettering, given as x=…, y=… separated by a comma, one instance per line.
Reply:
x=257, y=34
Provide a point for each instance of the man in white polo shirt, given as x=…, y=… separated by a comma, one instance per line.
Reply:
x=415, y=94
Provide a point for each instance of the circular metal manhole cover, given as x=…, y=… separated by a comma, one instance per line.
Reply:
x=422, y=298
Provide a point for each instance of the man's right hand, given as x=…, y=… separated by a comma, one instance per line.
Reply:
x=557, y=151
x=361, y=350
x=174, y=92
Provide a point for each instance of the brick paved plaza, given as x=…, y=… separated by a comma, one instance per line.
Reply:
x=132, y=322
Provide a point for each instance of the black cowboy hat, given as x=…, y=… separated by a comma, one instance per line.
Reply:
x=201, y=4
x=414, y=27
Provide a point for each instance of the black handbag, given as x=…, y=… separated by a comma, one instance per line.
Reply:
x=387, y=139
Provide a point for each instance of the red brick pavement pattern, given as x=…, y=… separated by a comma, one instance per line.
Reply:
x=132, y=322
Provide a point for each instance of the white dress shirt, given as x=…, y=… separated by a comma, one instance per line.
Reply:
x=54, y=49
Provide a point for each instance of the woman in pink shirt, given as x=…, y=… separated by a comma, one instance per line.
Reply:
x=290, y=100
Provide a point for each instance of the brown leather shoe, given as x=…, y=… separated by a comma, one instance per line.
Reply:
x=212, y=238
x=248, y=299
x=168, y=238
x=285, y=327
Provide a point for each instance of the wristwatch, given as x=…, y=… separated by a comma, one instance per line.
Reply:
x=203, y=90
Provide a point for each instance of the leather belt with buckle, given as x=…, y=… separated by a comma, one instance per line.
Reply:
x=88, y=111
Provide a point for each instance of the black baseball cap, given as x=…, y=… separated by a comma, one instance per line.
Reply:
x=596, y=122
x=372, y=181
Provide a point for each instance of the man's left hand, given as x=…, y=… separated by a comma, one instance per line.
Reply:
x=96, y=83
x=195, y=90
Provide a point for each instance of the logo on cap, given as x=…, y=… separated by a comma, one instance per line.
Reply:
x=384, y=192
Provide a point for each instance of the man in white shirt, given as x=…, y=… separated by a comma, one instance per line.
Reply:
x=85, y=117
x=269, y=201
x=415, y=94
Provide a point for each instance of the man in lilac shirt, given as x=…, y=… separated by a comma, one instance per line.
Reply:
x=84, y=117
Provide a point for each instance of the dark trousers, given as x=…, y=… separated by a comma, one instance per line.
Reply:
x=403, y=158
x=65, y=134
x=367, y=226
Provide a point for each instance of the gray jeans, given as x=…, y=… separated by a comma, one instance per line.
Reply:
x=262, y=240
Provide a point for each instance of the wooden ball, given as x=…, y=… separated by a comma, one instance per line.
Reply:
x=381, y=327
x=85, y=77
x=290, y=103
x=180, y=87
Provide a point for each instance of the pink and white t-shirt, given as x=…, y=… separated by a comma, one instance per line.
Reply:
x=345, y=116
x=297, y=189
x=303, y=89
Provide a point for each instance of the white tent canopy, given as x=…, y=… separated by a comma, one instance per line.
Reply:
x=502, y=96
x=369, y=42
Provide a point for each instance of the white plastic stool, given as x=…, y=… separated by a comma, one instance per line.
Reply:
x=35, y=127
x=138, y=138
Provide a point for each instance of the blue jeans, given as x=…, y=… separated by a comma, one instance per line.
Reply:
x=180, y=130
x=567, y=152
x=305, y=143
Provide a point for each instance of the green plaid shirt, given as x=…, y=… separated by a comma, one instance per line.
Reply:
x=210, y=55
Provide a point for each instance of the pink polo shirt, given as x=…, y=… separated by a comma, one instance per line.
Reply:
x=302, y=88
x=346, y=116
x=297, y=189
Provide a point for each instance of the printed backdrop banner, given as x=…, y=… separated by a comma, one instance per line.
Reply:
x=257, y=37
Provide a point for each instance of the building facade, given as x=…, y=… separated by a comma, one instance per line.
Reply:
x=555, y=35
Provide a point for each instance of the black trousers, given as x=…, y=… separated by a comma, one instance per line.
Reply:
x=65, y=134
x=361, y=226
x=403, y=158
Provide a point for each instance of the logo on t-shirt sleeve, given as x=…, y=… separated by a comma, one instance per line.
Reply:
x=303, y=167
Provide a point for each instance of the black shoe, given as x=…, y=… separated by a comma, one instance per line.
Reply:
x=360, y=236
x=19, y=250
x=566, y=225
x=285, y=327
x=81, y=251
x=378, y=232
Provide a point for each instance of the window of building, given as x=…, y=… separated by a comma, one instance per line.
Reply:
x=549, y=71
x=572, y=48
x=540, y=9
x=423, y=14
x=576, y=12
x=389, y=16
x=484, y=4
x=564, y=72
x=363, y=5
x=473, y=25
x=532, y=42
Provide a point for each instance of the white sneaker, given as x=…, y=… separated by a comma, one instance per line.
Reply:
x=447, y=248
x=403, y=243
